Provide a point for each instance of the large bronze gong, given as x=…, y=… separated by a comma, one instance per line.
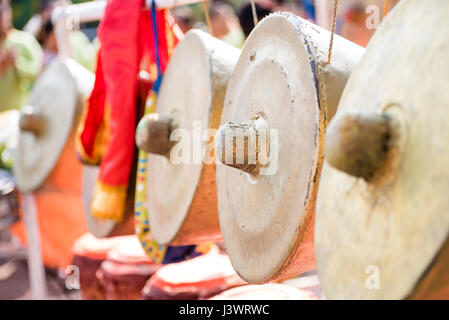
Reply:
x=182, y=196
x=279, y=99
x=382, y=214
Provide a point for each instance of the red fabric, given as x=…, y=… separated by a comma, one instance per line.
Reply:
x=118, y=34
x=96, y=103
x=126, y=36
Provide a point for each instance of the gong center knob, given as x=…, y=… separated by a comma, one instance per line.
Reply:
x=153, y=134
x=358, y=144
x=32, y=120
x=244, y=146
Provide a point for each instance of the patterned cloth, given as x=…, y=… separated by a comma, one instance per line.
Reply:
x=142, y=226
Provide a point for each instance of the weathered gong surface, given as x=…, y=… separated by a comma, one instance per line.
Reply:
x=386, y=237
x=181, y=199
x=281, y=77
x=56, y=101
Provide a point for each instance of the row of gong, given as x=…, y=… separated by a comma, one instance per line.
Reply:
x=376, y=226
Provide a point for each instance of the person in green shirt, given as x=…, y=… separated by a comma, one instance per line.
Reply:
x=83, y=51
x=20, y=61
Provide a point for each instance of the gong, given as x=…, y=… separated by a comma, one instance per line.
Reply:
x=47, y=121
x=277, y=104
x=381, y=223
x=181, y=185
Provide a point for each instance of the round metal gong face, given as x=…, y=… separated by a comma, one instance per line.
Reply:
x=55, y=95
x=185, y=94
x=262, y=217
x=376, y=239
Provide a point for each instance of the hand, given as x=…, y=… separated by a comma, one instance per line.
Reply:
x=7, y=59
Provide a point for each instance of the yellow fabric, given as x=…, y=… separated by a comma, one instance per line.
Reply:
x=101, y=140
x=109, y=202
x=16, y=83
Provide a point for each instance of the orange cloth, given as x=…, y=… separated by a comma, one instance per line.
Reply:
x=60, y=211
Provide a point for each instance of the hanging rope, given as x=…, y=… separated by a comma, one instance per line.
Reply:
x=386, y=7
x=206, y=13
x=334, y=23
x=253, y=7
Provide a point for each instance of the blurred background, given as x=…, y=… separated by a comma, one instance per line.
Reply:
x=228, y=15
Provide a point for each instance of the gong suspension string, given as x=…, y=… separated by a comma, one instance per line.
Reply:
x=334, y=23
x=206, y=13
x=386, y=7
x=253, y=8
